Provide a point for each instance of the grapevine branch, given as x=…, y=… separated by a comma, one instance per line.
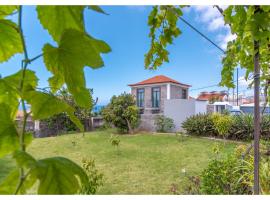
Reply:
x=25, y=114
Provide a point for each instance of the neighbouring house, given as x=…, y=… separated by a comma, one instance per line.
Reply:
x=213, y=96
x=217, y=101
x=161, y=95
x=219, y=106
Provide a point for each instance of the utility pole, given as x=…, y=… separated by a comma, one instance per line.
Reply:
x=256, y=118
x=237, y=86
x=233, y=90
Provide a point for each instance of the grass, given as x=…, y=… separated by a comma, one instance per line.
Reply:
x=143, y=164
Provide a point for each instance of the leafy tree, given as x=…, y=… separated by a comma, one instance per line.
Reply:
x=214, y=99
x=61, y=122
x=122, y=112
x=73, y=50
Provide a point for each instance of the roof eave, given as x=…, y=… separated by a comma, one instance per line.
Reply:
x=143, y=84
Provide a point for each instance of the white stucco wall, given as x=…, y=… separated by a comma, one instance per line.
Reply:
x=200, y=106
x=179, y=110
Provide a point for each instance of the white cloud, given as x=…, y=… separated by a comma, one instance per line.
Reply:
x=186, y=10
x=243, y=82
x=223, y=39
x=211, y=16
x=214, y=21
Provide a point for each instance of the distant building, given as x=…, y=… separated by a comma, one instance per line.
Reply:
x=249, y=108
x=213, y=96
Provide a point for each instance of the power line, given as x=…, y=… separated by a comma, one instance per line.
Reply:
x=203, y=35
x=216, y=85
x=204, y=87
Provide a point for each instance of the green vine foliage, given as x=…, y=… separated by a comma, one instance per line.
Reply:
x=74, y=50
x=249, y=24
x=163, y=29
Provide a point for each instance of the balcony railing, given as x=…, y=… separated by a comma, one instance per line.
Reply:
x=141, y=110
x=149, y=110
x=155, y=110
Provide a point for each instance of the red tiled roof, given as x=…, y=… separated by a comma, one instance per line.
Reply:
x=159, y=79
x=209, y=96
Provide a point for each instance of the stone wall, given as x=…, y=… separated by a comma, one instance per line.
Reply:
x=147, y=122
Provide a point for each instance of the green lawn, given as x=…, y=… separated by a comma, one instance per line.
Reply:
x=145, y=163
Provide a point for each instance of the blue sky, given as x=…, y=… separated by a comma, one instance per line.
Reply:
x=193, y=60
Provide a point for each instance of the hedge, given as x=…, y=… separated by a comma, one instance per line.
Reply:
x=239, y=127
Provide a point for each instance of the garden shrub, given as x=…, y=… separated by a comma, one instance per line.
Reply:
x=238, y=127
x=200, y=124
x=247, y=168
x=265, y=176
x=242, y=127
x=234, y=173
x=95, y=178
x=222, y=124
x=265, y=127
x=225, y=176
x=221, y=177
x=164, y=124
x=226, y=112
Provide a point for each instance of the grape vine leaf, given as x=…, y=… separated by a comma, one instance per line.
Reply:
x=7, y=10
x=66, y=62
x=60, y=175
x=10, y=88
x=10, y=40
x=97, y=9
x=30, y=81
x=44, y=105
x=8, y=133
x=56, y=175
x=24, y=159
x=56, y=19
x=9, y=184
x=8, y=94
x=163, y=30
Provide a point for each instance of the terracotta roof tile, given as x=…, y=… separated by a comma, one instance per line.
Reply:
x=209, y=96
x=159, y=79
